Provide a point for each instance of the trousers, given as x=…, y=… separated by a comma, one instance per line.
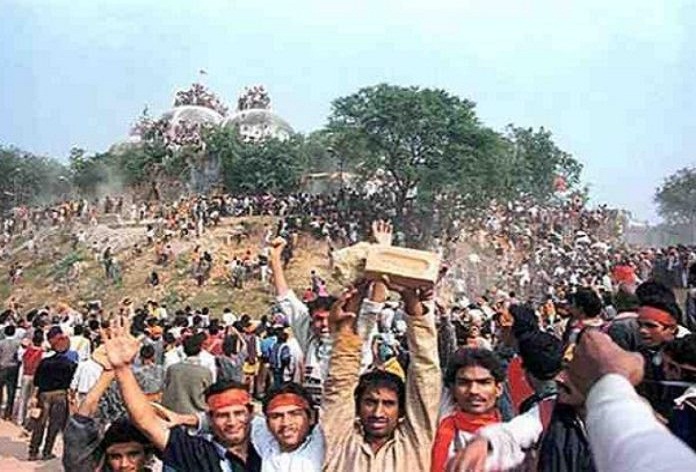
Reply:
x=25, y=388
x=54, y=416
x=8, y=380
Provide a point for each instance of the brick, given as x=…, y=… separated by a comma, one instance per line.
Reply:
x=408, y=267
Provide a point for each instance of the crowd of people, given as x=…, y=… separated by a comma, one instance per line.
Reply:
x=199, y=95
x=253, y=97
x=599, y=374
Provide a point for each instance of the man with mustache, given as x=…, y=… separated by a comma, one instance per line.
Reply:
x=288, y=439
x=475, y=378
x=310, y=322
x=550, y=434
x=396, y=420
x=229, y=406
x=658, y=319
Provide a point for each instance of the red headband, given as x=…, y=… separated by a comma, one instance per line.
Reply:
x=231, y=397
x=287, y=399
x=654, y=314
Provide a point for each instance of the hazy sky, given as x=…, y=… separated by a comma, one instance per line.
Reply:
x=614, y=81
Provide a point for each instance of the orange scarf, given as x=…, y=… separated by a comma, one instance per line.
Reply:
x=448, y=429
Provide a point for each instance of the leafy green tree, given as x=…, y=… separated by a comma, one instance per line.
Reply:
x=440, y=161
x=434, y=150
x=676, y=198
x=271, y=165
x=28, y=179
x=536, y=162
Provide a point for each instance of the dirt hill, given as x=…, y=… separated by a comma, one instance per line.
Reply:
x=49, y=269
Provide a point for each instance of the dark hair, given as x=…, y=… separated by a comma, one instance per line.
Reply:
x=38, y=338
x=288, y=387
x=229, y=345
x=123, y=431
x=321, y=304
x=683, y=350
x=524, y=320
x=213, y=329
x=542, y=355
x=588, y=301
x=657, y=295
x=474, y=357
x=193, y=345
x=462, y=331
x=381, y=379
x=10, y=330
x=625, y=301
x=78, y=329
x=93, y=325
x=147, y=351
x=222, y=386
x=169, y=338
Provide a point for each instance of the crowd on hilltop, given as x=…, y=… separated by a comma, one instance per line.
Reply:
x=599, y=374
x=199, y=95
x=534, y=249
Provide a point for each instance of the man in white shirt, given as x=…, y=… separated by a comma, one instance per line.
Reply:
x=288, y=438
x=86, y=376
x=80, y=344
x=228, y=318
x=622, y=428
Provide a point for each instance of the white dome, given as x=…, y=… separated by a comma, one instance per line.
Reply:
x=193, y=114
x=259, y=123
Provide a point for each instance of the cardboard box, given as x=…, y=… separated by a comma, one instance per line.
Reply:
x=408, y=267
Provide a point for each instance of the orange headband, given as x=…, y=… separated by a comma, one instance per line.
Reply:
x=287, y=399
x=654, y=314
x=231, y=397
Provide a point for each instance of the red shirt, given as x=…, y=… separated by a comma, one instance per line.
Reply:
x=31, y=358
x=213, y=344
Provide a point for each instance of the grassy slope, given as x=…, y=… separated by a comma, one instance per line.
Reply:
x=178, y=288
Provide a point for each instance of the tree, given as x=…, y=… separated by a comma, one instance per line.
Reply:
x=437, y=155
x=27, y=179
x=441, y=162
x=676, y=198
x=271, y=165
x=537, y=161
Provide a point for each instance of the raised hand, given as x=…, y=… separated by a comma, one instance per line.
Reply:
x=340, y=318
x=99, y=356
x=413, y=297
x=121, y=347
x=382, y=232
x=277, y=246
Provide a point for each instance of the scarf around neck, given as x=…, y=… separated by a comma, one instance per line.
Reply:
x=449, y=428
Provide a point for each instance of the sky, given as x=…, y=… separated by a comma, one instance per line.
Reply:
x=614, y=81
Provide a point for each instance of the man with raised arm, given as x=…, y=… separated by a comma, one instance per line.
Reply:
x=309, y=322
x=121, y=448
x=378, y=422
x=229, y=406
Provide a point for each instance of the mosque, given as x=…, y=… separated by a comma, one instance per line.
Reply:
x=197, y=108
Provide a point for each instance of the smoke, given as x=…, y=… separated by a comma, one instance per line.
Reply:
x=115, y=184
